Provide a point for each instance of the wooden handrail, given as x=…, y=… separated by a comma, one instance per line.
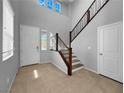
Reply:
x=83, y=16
x=86, y=21
x=89, y=18
x=67, y=62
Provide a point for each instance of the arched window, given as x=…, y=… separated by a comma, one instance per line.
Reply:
x=42, y=2
x=50, y=4
x=58, y=7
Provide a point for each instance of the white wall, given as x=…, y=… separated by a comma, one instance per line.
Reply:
x=58, y=61
x=77, y=9
x=111, y=13
x=30, y=13
x=33, y=14
x=9, y=67
x=46, y=57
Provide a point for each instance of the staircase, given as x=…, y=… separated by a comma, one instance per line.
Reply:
x=72, y=62
x=76, y=65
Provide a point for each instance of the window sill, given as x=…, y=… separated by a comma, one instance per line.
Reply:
x=7, y=55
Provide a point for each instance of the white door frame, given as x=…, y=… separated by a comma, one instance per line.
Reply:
x=39, y=42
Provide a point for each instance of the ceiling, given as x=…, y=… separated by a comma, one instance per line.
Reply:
x=62, y=1
x=66, y=1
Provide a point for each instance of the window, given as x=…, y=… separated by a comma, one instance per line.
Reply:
x=52, y=42
x=58, y=7
x=42, y=2
x=50, y=4
x=8, y=30
x=44, y=41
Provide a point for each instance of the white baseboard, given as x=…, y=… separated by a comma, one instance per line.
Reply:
x=12, y=82
x=91, y=70
x=44, y=62
x=60, y=68
x=77, y=69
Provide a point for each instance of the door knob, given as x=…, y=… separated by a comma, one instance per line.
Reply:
x=100, y=53
x=37, y=48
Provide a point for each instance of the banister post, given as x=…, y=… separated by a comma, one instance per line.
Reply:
x=56, y=41
x=70, y=37
x=88, y=16
x=70, y=56
x=70, y=62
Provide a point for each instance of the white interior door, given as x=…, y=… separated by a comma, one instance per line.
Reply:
x=29, y=45
x=110, y=47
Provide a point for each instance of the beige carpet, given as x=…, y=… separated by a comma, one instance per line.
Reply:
x=47, y=78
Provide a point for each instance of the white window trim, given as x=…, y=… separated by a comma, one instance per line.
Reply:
x=7, y=57
x=7, y=4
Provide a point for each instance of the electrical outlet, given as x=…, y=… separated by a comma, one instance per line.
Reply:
x=7, y=80
x=89, y=47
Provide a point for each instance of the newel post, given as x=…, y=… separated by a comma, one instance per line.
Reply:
x=88, y=16
x=70, y=62
x=56, y=41
x=70, y=56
